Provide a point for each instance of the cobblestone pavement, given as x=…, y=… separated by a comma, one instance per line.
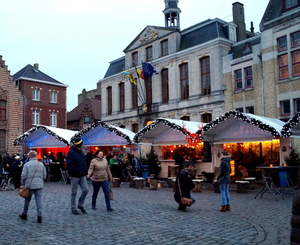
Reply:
x=144, y=216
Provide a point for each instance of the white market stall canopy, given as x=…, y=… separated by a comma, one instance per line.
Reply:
x=104, y=134
x=167, y=132
x=235, y=126
x=45, y=137
x=292, y=127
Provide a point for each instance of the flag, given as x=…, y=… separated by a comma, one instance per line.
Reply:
x=148, y=69
x=130, y=78
x=140, y=73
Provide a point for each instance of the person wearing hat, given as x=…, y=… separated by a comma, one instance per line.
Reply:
x=17, y=171
x=183, y=186
x=77, y=170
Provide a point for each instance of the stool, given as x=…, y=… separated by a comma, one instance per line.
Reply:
x=171, y=182
x=198, y=185
x=147, y=182
x=153, y=184
x=116, y=182
x=160, y=184
x=242, y=186
x=138, y=183
x=251, y=180
x=131, y=181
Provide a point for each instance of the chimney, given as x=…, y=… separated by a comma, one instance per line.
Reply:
x=239, y=20
x=252, y=28
x=36, y=66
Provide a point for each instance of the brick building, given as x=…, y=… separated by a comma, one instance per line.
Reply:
x=11, y=111
x=44, y=98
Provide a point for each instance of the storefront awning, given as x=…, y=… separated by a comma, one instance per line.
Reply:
x=103, y=134
x=165, y=131
x=45, y=137
x=238, y=127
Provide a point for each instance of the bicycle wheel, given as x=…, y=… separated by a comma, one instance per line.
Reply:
x=10, y=184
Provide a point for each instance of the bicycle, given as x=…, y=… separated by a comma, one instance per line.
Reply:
x=6, y=182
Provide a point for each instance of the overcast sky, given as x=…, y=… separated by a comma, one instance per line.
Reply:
x=73, y=41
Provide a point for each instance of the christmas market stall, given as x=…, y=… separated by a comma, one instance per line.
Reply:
x=252, y=140
x=172, y=138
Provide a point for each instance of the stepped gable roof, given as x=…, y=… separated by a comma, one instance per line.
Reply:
x=92, y=103
x=115, y=67
x=30, y=73
x=244, y=47
x=202, y=32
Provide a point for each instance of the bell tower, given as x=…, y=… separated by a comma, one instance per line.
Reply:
x=171, y=13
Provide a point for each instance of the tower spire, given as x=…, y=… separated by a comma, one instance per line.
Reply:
x=171, y=13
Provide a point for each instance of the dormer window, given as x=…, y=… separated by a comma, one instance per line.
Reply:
x=134, y=59
x=290, y=4
x=149, y=54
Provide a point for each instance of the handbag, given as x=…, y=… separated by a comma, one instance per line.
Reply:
x=184, y=200
x=111, y=194
x=24, y=192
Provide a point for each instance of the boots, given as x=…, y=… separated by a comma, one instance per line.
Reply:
x=227, y=207
x=223, y=209
x=39, y=219
x=23, y=216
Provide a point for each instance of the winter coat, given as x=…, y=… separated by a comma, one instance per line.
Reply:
x=28, y=172
x=76, y=162
x=224, y=169
x=186, y=184
x=295, y=221
x=99, y=170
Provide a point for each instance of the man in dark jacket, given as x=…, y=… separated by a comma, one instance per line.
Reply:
x=77, y=170
x=183, y=186
x=295, y=222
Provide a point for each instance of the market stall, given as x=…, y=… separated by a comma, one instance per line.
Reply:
x=252, y=140
x=171, y=137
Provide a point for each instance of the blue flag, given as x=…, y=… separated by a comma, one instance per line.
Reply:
x=148, y=69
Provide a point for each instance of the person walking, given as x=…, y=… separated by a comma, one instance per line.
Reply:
x=77, y=171
x=17, y=167
x=101, y=176
x=224, y=180
x=32, y=177
x=183, y=186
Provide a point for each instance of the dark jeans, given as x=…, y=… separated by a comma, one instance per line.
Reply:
x=105, y=188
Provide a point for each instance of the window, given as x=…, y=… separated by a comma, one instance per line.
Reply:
x=291, y=4
x=2, y=139
x=297, y=105
x=296, y=63
x=165, y=86
x=285, y=107
x=205, y=75
x=53, y=97
x=184, y=81
x=164, y=47
x=185, y=118
x=248, y=77
x=295, y=37
x=53, y=119
x=282, y=44
x=134, y=97
x=35, y=117
x=206, y=118
x=149, y=54
x=134, y=58
x=3, y=104
x=238, y=80
x=240, y=109
x=122, y=97
x=283, y=66
x=36, y=94
x=148, y=86
x=250, y=109
x=135, y=127
x=87, y=120
x=109, y=100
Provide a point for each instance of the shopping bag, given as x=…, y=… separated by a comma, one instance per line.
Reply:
x=111, y=194
x=23, y=192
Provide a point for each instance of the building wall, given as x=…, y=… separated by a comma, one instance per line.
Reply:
x=44, y=104
x=13, y=125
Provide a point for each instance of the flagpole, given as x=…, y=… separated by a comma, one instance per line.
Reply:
x=144, y=97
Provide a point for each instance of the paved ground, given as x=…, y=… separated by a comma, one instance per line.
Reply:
x=144, y=216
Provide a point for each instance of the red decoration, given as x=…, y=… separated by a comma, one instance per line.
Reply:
x=192, y=139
